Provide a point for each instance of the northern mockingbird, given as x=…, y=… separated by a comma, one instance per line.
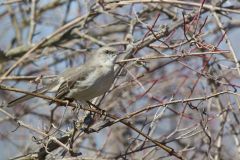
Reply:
x=81, y=83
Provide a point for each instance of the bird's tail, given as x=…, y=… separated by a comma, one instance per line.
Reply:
x=26, y=97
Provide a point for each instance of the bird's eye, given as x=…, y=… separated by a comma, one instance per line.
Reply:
x=109, y=52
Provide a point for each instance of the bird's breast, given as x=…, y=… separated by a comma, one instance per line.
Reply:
x=97, y=83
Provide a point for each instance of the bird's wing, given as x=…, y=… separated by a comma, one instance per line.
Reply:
x=64, y=88
x=71, y=77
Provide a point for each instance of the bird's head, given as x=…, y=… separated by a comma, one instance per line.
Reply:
x=106, y=54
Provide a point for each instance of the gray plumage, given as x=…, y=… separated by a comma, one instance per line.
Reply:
x=83, y=83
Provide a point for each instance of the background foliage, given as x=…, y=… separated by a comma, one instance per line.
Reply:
x=176, y=93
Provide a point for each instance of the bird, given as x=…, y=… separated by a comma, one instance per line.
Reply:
x=81, y=83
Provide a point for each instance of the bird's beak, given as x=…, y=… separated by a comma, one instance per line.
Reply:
x=121, y=52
